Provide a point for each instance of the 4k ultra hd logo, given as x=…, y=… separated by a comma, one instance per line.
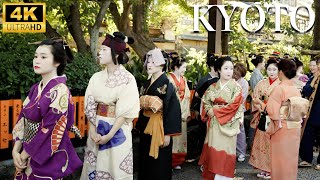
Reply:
x=24, y=17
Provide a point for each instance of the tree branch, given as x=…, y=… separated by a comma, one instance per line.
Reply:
x=94, y=32
x=72, y=16
x=115, y=13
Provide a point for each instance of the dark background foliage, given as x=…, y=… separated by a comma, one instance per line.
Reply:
x=16, y=72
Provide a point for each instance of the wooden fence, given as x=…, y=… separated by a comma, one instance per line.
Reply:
x=9, y=113
x=10, y=109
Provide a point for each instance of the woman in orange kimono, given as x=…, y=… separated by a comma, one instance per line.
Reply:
x=260, y=152
x=285, y=133
x=179, y=147
x=222, y=108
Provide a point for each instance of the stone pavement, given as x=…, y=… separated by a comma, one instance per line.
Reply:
x=190, y=171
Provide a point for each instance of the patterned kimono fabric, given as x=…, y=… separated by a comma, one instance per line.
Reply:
x=261, y=153
x=106, y=99
x=218, y=156
x=179, y=149
x=43, y=125
x=159, y=168
x=285, y=136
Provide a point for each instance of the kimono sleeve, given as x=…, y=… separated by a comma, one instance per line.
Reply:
x=171, y=112
x=257, y=94
x=90, y=103
x=274, y=103
x=225, y=113
x=57, y=117
x=128, y=104
x=18, y=130
x=206, y=103
x=307, y=89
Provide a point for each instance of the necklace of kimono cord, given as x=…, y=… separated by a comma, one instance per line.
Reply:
x=315, y=84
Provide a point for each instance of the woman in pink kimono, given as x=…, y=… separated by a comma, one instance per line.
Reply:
x=261, y=153
x=222, y=108
x=42, y=148
x=111, y=103
x=179, y=147
x=284, y=132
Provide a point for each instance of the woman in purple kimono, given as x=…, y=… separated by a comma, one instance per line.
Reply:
x=42, y=148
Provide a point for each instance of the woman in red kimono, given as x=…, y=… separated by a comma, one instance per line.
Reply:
x=222, y=108
x=179, y=147
x=260, y=152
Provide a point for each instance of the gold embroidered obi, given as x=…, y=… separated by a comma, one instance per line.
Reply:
x=106, y=110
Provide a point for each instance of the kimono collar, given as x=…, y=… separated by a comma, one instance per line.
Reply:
x=272, y=81
x=178, y=79
x=60, y=79
x=222, y=86
x=119, y=68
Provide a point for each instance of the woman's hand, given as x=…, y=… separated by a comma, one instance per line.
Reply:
x=95, y=136
x=166, y=141
x=210, y=113
x=104, y=139
x=257, y=101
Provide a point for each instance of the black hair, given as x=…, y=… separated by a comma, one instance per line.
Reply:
x=256, y=59
x=166, y=59
x=122, y=57
x=271, y=61
x=316, y=59
x=288, y=68
x=61, y=53
x=220, y=61
x=211, y=59
x=176, y=62
x=298, y=62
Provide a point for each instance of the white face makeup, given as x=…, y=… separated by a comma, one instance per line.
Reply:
x=151, y=67
x=226, y=71
x=182, y=69
x=43, y=62
x=272, y=71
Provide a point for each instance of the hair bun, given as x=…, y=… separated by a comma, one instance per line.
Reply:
x=126, y=39
x=130, y=40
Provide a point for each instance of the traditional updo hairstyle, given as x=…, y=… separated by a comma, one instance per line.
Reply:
x=298, y=62
x=270, y=61
x=220, y=62
x=117, y=43
x=176, y=62
x=211, y=59
x=256, y=59
x=288, y=68
x=166, y=59
x=61, y=53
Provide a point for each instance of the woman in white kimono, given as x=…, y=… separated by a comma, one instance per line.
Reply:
x=179, y=148
x=111, y=103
